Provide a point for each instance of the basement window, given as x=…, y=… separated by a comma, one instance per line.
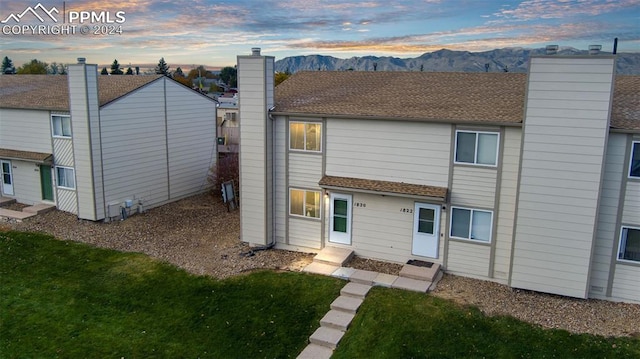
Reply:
x=629, y=248
x=304, y=203
x=477, y=148
x=634, y=166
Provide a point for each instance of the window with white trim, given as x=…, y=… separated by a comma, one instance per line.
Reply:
x=61, y=126
x=473, y=224
x=634, y=165
x=477, y=148
x=305, y=136
x=629, y=248
x=65, y=177
x=304, y=203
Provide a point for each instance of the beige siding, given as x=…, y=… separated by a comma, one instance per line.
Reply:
x=280, y=180
x=468, y=259
x=631, y=212
x=304, y=232
x=25, y=130
x=255, y=128
x=607, y=232
x=26, y=182
x=507, y=203
x=66, y=200
x=134, y=147
x=473, y=187
x=305, y=170
x=563, y=155
x=408, y=152
x=625, y=283
x=63, y=152
x=191, y=128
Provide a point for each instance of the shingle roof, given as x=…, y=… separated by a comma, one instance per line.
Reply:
x=49, y=92
x=39, y=157
x=429, y=96
x=384, y=187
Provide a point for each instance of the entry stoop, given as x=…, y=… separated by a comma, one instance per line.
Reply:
x=39, y=208
x=333, y=256
x=420, y=273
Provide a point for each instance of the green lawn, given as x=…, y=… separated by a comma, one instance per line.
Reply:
x=401, y=324
x=68, y=300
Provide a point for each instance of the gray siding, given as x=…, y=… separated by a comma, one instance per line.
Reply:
x=67, y=201
x=563, y=153
x=507, y=203
x=280, y=176
x=473, y=187
x=408, y=152
x=631, y=212
x=25, y=130
x=304, y=232
x=26, y=182
x=63, y=152
x=305, y=170
x=625, y=283
x=607, y=232
x=468, y=259
x=191, y=129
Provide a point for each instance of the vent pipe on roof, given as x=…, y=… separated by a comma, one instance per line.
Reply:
x=615, y=46
x=551, y=49
x=594, y=49
x=255, y=51
x=82, y=60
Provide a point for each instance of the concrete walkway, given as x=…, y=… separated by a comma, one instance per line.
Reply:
x=26, y=212
x=335, y=323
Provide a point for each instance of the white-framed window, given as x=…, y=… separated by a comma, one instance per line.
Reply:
x=634, y=163
x=305, y=136
x=304, y=203
x=629, y=247
x=65, y=177
x=472, y=224
x=477, y=148
x=61, y=126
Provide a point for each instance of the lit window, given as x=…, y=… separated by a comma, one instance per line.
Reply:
x=629, y=249
x=305, y=136
x=304, y=203
x=479, y=148
x=61, y=126
x=66, y=177
x=471, y=224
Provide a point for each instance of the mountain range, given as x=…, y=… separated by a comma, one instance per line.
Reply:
x=507, y=59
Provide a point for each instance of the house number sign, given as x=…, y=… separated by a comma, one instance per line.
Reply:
x=360, y=204
x=406, y=210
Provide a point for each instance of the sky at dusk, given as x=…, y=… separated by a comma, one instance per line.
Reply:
x=213, y=33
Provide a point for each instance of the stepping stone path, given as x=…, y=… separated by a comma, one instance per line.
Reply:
x=335, y=323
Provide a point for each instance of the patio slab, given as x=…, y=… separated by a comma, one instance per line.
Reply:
x=411, y=284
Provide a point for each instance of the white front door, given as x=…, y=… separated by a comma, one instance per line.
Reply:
x=340, y=219
x=426, y=234
x=7, y=178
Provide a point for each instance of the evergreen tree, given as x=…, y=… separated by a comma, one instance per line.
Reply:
x=104, y=71
x=163, y=68
x=115, y=68
x=129, y=71
x=7, y=66
x=178, y=73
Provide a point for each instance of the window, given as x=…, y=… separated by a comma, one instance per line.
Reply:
x=66, y=177
x=61, y=126
x=479, y=148
x=472, y=224
x=629, y=249
x=304, y=203
x=305, y=136
x=634, y=166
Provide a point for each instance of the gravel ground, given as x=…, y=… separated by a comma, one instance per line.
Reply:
x=199, y=235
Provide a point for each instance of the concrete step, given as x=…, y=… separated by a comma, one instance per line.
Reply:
x=5, y=201
x=39, y=208
x=411, y=284
x=333, y=256
x=363, y=277
x=355, y=290
x=326, y=337
x=337, y=319
x=320, y=268
x=346, y=304
x=420, y=273
x=314, y=351
x=18, y=215
x=384, y=280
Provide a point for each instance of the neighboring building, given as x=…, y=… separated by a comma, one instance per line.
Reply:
x=228, y=123
x=95, y=145
x=530, y=180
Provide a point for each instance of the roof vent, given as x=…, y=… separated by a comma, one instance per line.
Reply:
x=551, y=49
x=82, y=60
x=594, y=49
x=255, y=51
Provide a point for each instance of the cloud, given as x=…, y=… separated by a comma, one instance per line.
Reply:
x=558, y=9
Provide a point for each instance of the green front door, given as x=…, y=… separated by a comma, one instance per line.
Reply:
x=46, y=183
